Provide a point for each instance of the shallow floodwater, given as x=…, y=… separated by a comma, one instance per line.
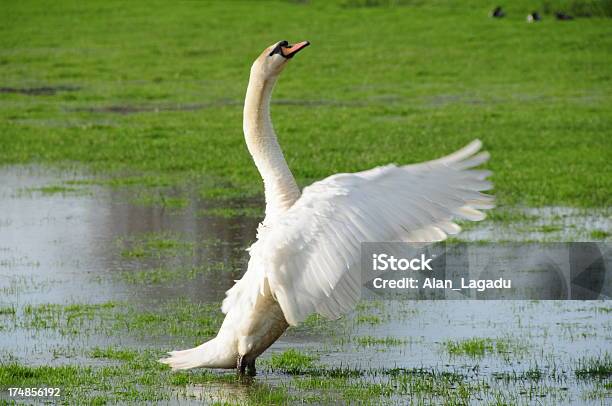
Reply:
x=69, y=243
x=93, y=244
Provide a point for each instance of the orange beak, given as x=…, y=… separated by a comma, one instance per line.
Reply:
x=288, y=52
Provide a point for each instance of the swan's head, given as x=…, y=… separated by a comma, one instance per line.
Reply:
x=274, y=58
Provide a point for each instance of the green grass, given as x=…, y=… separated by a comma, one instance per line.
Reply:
x=350, y=390
x=369, y=341
x=547, y=228
x=136, y=378
x=7, y=310
x=505, y=215
x=291, y=362
x=370, y=319
x=154, y=245
x=164, y=275
x=600, y=234
x=316, y=324
x=161, y=200
x=479, y=347
x=114, y=353
x=594, y=367
x=533, y=374
x=159, y=93
x=190, y=321
x=149, y=96
x=54, y=189
x=22, y=375
x=231, y=212
x=122, y=374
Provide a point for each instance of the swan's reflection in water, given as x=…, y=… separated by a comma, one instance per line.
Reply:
x=217, y=393
x=223, y=392
x=235, y=391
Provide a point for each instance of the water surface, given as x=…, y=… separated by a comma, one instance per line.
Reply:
x=88, y=244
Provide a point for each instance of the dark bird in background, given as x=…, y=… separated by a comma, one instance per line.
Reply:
x=562, y=16
x=497, y=12
x=533, y=17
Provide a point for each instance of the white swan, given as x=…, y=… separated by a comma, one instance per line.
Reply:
x=306, y=257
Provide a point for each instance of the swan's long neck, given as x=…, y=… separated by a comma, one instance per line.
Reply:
x=281, y=191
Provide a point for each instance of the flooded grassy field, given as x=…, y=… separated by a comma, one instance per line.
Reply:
x=98, y=282
x=106, y=267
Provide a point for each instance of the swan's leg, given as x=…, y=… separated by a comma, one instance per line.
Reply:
x=251, y=368
x=240, y=365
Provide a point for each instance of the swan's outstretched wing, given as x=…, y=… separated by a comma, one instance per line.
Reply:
x=311, y=256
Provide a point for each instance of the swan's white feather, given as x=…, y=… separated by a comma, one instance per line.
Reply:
x=310, y=256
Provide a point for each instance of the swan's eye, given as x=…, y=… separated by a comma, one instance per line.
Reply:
x=277, y=49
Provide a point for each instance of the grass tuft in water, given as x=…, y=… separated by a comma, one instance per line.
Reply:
x=54, y=189
x=113, y=353
x=594, y=367
x=479, y=347
x=161, y=200
x=600, y=234
x=369, y=341
x=8, y=310
x=164, y=274
x=230, y=212
x=154, y=245
x=292, y=362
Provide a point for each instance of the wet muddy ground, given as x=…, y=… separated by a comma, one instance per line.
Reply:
x=88, y=270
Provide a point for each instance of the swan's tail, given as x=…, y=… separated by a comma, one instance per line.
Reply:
x=212, y=354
